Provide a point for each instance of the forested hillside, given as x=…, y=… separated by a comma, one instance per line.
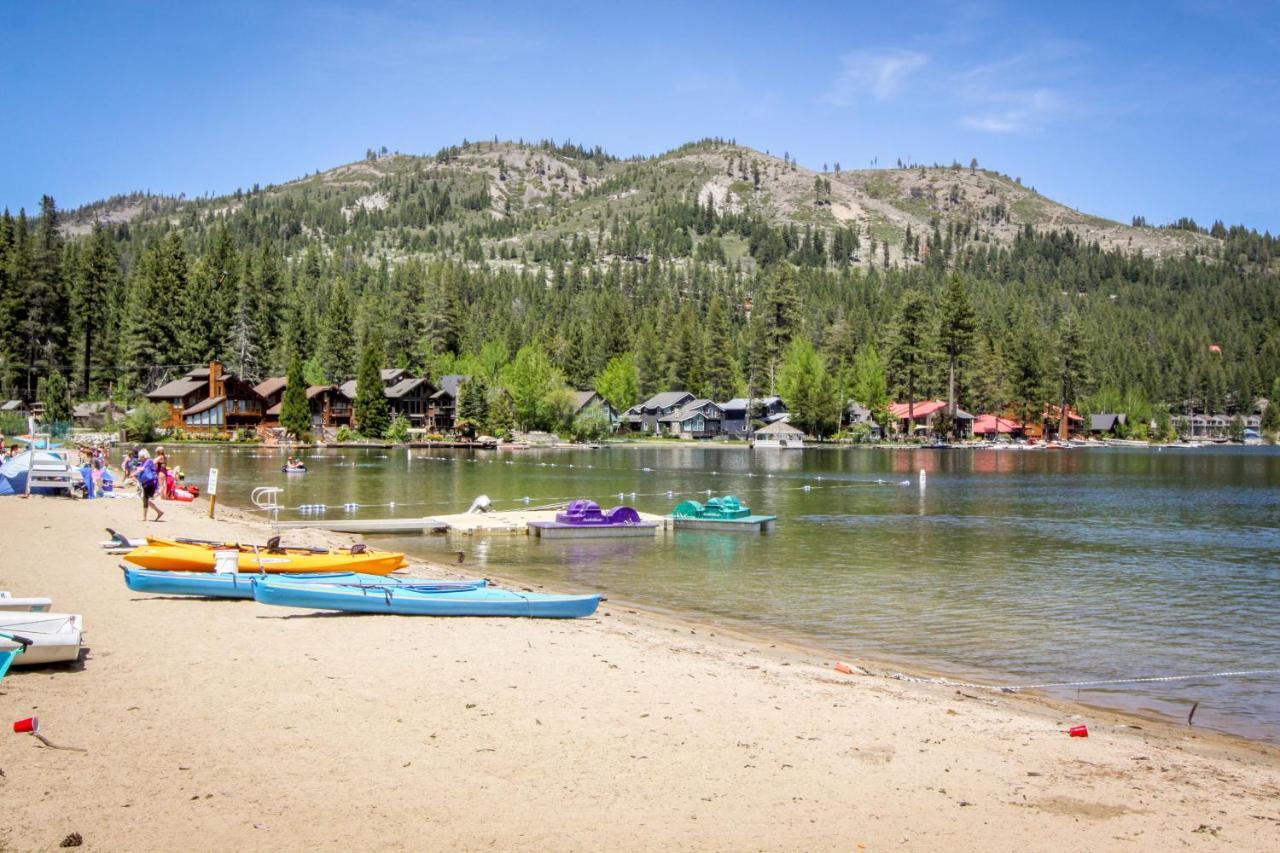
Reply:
x=700, y=267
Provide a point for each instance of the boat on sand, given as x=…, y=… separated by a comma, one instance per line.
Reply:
x=240, y=585
x=482, y=601
x=55, y=637
x=177, y=556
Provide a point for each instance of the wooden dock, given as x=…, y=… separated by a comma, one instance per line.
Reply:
x=366, y=525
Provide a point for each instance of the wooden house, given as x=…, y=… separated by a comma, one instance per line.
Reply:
x=208, y=399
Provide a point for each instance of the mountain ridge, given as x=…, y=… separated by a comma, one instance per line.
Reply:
x=557, y=191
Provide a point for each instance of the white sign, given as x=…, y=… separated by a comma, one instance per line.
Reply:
x=213, y=481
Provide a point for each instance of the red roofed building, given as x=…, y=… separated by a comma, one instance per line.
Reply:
x=995, y=425
x=919, y=418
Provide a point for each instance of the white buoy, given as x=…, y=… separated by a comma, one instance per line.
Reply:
x=808, y=488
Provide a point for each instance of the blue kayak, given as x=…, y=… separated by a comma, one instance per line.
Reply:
x=407, y=601
x=240, y=585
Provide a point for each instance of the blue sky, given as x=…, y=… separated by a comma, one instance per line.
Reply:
x=1164, y=110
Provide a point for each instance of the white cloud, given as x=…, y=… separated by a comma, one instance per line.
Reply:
x=1016, y=111
x=881, y=74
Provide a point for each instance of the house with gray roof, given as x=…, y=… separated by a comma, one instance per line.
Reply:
x=643, y=417
x=695, y=419
x=738, y=414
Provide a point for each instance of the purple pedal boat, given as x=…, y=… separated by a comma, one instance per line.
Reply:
x=584, y=519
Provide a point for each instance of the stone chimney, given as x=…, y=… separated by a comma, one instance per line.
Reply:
x=216, y=385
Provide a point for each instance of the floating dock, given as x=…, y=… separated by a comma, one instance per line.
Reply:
x=367, y=525
x=511, y=523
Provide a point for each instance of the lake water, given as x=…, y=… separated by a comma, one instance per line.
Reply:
x=1016, y=567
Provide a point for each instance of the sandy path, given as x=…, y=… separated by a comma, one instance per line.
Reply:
x=232, y=725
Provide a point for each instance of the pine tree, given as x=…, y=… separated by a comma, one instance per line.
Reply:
x=780, y=316
x=249, y=323
x=295, y=410
x=151, y=341
x=95, y=307
x=10, y=304
x=649, y=372
x=688, y=364
x=721, y=375
x=370, y=408
x=337, y=345
x=909, y=355
x=55, y=395
x=1271, y=414
x=1072, y=370
x=955, y=334
x=502, y=419
x=46, y=328
x=1027, y=373
x=473, y=404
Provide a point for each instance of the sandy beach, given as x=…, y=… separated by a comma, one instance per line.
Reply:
x=233, y=725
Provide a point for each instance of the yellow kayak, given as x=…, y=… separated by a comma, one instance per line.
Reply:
x=167, y=555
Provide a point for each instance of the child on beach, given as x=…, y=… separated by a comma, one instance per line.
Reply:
x=147, y=481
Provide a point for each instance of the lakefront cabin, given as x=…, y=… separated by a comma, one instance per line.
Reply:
x=229, y=403
x=209, y=400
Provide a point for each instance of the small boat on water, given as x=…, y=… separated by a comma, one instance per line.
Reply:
x=176, y=556
x=240, y=585
x=726, y=513
x=55, y=637
x=482, y=601
x=27, y=605
x=583, y=519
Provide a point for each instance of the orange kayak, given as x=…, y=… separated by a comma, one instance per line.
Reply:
x=168, y=555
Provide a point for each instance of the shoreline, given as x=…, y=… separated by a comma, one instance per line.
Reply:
x=244, y=726
x=810, y=649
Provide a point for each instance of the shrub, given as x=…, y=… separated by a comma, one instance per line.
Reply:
x=140, y=424
x=12, y=423
x=347, y=434
x=398, y=430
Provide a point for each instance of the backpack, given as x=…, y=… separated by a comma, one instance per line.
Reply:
x=147, y=476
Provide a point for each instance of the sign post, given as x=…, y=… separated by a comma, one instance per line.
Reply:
x=213, y=490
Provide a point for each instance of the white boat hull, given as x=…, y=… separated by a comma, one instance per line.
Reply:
x=56, y=637
x=9, y=603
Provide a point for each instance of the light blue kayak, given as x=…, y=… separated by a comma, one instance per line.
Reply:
x=407, y=601
x=240, y=584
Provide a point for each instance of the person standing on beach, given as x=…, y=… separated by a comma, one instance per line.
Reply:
x=162, y=473
x=147, y=480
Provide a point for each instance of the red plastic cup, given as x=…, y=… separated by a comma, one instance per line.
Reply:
x=1078, y=731
x=30, y=724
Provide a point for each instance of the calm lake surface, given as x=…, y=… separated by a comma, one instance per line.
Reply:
x=1015, y=567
